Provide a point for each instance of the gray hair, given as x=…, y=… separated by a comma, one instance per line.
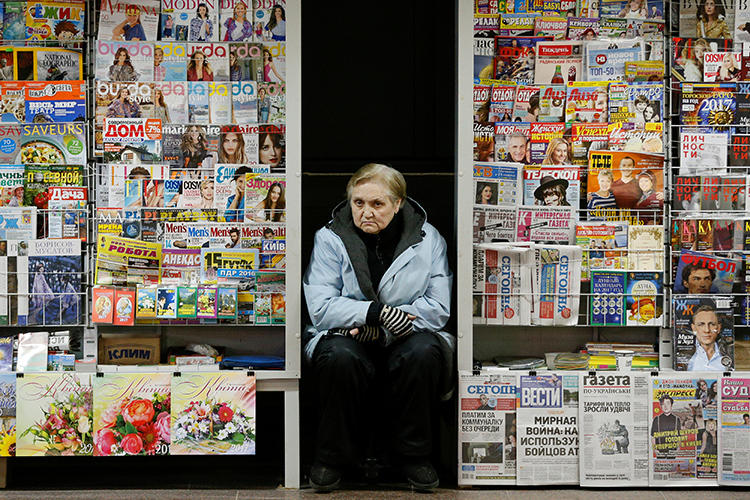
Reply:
x=389, y=177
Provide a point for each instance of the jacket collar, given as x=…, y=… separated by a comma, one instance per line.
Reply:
x=342, y=224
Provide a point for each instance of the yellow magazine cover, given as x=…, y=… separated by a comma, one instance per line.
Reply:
x=124, y=261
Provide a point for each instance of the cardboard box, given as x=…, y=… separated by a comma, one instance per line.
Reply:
x=116, y=349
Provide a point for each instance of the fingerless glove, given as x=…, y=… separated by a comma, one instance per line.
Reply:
x=395, y=320
x=367, y=333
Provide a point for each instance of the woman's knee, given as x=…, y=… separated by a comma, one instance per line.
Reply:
x=342, y=357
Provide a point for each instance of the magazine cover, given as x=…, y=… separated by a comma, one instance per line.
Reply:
x=246, y=60
x=587, y=8
x=126, y=262
x=708, y=103
x=220, y=103
x=644, y=298
x=526, y=106
x=547, y=418
x=502, y=96
x=632, y=183
x=517, y=24
x=128, y=20
x=510, y=140
x=131, y=140
x=683, y=445
x=586, y=137
x=613, y=413
x=491, y=224
x=124, y=310
x=702, y=152
x=170, y=102
x=8, y=404
x=546, y=224
x=206, y=301
x=484, y=142
x=639, y=103
x=547, y=145
x=703, y=333
x=132, y=414
x=721, y=66
x=604, y=245
x=226, y=302
x=605, y=60
x=723, y=193
x=19, y=223
x=14, y=20
x=45, y=102
x=236, y=17
x=484, y=59
x=207, y=62
x=583, y=28
x=514, y=58
x=124, y=61
x=48, y=64
x=55, y=268
x=68, y=212
x=644, y=71
x=11, y=179
x=198, y=103
x=502, y=282
x=551, y=103
x=274, y=62
x=703, y=273
x=645, y=247
x=169, y=62
x=687, y=55
x=498, y=184
x=166, y=302
x=734, y=423
x=68, y=396
x=554, y=26
x=739, y=150
x=628, y=137
x=190, y=148
x=551, y=185
x=145, y=302
x=12, y=102
x=121, y=100
x=180, y=266
x=586, y=102
x=607, y=298
x=487, y=433
x=558, y=62
x=557, y=279
x=187, y=304
x=228, y=265
x=213, y=414
x=269, y=20
x=247, y=105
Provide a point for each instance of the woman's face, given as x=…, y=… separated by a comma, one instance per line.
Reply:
x=560, y=153
x=551, y=198
x=124, y=94
x=601, y=101
x=199, y=58
x=699, y=50
x=486, y=194
x=122, y=56
x=645, y=184
x=157, y=94
x=372, y=207
x=266, y=56
x=277, y=13
x=648, y=113
x=589, y=35
x=158, y=56
x=207, y=190
x=727, y=62
x=710, y=7
x=230, y=144
x=203, y=11
x=232, y=58
x=604, y=182
x=193, y=135
x=711, y=425
x=240, y=10
x=640, y=106
x=275, y=194
x=269, y=154
x=702, y=385
x=240, y=183
x=635, y=4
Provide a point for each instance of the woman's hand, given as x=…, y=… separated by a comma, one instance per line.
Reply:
x=397, y=321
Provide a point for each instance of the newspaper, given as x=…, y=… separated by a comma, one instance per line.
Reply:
x=502, y=283
x=734, y=430
x=548, y=428
x=556, y=285
x=613, y=416
x=683, y=443
x=487, y=437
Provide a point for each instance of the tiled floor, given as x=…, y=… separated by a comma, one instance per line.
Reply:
x=389, y=494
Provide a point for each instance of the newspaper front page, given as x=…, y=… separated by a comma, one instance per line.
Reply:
x=614, y=429
x=487, y=433
x=548, y=428
x=683, y=430
x=734, y=430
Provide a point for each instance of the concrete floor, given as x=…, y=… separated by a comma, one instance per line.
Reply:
x=386, y=494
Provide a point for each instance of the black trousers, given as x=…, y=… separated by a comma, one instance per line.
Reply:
x=365, y=391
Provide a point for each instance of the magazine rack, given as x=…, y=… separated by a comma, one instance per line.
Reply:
x=281, y=340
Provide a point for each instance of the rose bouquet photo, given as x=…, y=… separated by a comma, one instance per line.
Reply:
x=215, y=427
x=66, y=425
x=134, y=427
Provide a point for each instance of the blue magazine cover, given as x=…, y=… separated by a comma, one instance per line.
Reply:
x=55, y=268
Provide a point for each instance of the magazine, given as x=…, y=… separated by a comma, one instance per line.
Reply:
x=702, y=273
x=605, y=60
x=502, y=282
x=683, y=445
x=245, y=106
x=510, y=140
x=699, y=150
x=487, y=429
x=269, y=20
x=514, y=58
x=547, y=418
x=51, y=20
x=613, y=416
x=498, y=184
x=67, y=216
x=651, y=9
x=215, y=62
x=484, y=57
x=517, y=24
x=687, y=55
x=628, y=137
x=14, y=20
x=556, y=287
x=546, y=224
x=607, y=298
x=491, y=224
x=703, y=333
x=484, y=142
x=169, y=62
x=636, y=103
x=586, y=102
x=124, y=61
x=551, y=185
x=229, y=398
x=583, y=28
x=236, y=20
x=644, y=71
x=126, y=262
x=558, y=62
x=734, y=421
x=246, y=59
x=645, y=248
x=604, y=245
x=554, y=26
x=48, y=64
x=128, y=20
x=547, y=145
x=721, y=66
x=588, y=137
x=551, y=103
x=46, y=102
x=708, y=104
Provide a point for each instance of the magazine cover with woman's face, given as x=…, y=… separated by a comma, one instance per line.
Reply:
x=129, y=20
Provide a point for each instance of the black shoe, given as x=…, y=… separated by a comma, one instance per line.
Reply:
x=421, y=475
x=324, y=477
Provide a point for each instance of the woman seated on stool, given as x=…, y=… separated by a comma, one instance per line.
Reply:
x=378, y=290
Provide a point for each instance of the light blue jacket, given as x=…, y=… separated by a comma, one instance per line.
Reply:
x=418, y=282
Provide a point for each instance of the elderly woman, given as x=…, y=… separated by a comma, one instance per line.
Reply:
x=378, y=291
